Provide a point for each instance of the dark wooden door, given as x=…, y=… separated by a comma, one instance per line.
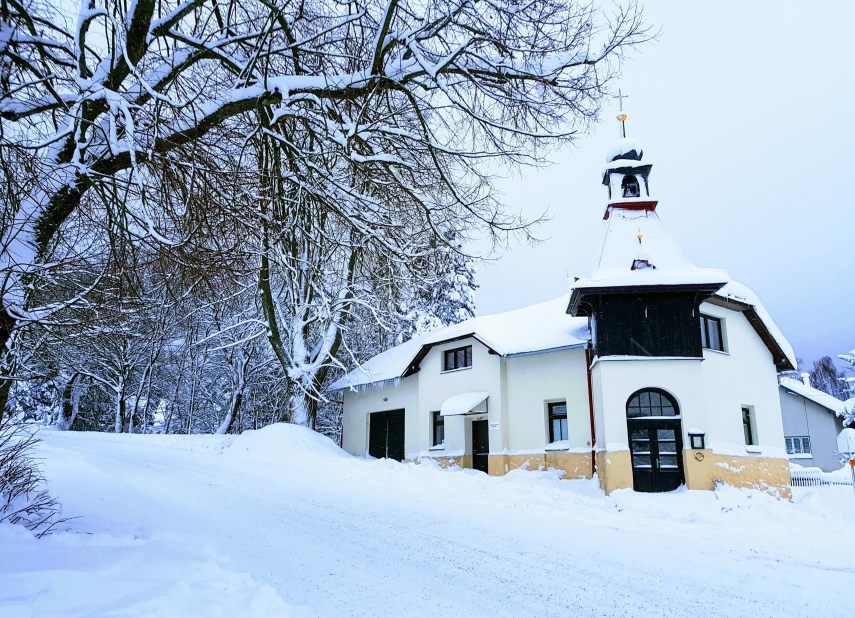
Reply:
x=656, y=447
x=480, y=445
x=386, y=435
x=395, y=440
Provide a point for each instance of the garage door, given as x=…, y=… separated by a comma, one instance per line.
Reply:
x=386, y=435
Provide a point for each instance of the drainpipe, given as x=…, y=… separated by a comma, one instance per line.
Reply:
x=591, y=410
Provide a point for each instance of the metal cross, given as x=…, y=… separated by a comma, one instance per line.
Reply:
x=620, y=97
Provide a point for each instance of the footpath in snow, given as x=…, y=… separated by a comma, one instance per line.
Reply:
x=281, y=522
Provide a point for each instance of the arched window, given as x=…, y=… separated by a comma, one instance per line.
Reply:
x=630, y=186
x=651, y=402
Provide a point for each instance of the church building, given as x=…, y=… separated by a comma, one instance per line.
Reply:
x=652, y=374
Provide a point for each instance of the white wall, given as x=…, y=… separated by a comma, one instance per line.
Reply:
x=616, y=379
x=532, y=382
x=359, y=404
x=745, y=375
x=436, y=386
x=518, y=389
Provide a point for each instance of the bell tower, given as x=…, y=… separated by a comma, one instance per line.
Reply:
x=625, y=176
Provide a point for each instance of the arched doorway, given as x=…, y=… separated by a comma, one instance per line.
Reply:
x=655, y=440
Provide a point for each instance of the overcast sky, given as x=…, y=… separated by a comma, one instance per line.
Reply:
x=745, y=110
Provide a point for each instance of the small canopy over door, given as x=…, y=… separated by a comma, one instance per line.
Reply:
x=465, y=403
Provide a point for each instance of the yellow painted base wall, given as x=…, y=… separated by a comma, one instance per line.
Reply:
x=464, y=461
x=763, y=473
x=614, y=470
x=574, y=465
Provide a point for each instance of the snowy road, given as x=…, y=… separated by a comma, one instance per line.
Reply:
x=347, y=537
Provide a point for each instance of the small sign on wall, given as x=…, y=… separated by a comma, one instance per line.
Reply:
x=495, y=426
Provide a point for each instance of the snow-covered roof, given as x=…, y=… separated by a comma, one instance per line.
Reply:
x=625, y=148
x=622, y=249
x=825, y=400
x=741, y=293
x=538, y=328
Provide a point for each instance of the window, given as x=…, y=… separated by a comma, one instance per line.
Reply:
x=711, y=333
x=798, y=446
x=748, y=427
x=558, y=422
x=651, y=402
x=630, y=186
x=457, y=359
x=438, y=430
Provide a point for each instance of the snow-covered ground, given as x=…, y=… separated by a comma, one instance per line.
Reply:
x=280, y=522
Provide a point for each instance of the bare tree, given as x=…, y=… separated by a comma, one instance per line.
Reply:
x=826, y=377
x=350, y=139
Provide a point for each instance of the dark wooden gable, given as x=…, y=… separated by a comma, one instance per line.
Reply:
x=649, y=323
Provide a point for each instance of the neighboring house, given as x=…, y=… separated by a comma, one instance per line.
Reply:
x=653, y=373
x=812, y=421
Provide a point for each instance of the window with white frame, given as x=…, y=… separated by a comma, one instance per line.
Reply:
x=798, y=445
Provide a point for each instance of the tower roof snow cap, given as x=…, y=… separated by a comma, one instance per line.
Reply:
x=625, y=148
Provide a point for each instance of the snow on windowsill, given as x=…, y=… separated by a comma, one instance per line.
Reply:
x=801, y=456
x=456, y=370
x=438, y=447
x=560, y=445
x=722, y=352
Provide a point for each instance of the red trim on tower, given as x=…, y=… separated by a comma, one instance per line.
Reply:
x=648, y=206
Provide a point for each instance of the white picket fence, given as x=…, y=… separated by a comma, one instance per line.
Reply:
x=814, y=477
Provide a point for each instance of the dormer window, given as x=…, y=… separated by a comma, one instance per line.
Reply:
x=630, y=186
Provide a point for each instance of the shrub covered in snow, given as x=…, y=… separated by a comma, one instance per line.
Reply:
x=23, y=496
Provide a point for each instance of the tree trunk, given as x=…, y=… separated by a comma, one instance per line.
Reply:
x=70, y=402
x=227, y=423
x=299, y=409
x=120, y=412
x=7, y=325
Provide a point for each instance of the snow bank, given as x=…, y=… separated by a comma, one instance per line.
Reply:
x=71, y=575
x=273, y=441
x=284, y=439
x=347, y=536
